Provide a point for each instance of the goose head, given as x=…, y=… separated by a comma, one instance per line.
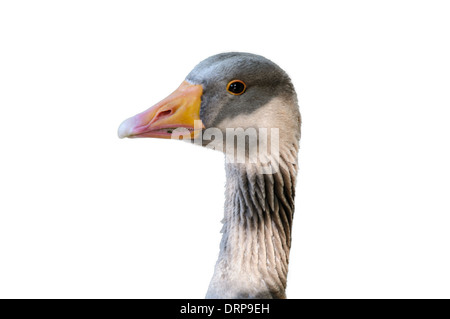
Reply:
x=246, y=97
x=228, y=91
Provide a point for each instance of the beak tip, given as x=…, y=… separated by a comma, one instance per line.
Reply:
x=124, y=130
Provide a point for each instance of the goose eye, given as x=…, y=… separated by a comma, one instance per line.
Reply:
x=236, y=87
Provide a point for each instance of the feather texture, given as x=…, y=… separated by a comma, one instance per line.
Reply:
x=254, y=252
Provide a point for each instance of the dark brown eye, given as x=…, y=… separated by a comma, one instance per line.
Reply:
x=236, y=87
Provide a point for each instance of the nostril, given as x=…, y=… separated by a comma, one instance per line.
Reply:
x=164, y=113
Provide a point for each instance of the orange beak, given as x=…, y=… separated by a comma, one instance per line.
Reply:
x=180, y=110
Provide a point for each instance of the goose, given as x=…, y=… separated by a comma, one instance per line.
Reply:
x=252, y=99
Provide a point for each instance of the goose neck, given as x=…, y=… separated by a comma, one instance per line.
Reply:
x=254, y=251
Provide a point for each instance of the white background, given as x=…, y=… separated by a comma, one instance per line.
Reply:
x=86, y=215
